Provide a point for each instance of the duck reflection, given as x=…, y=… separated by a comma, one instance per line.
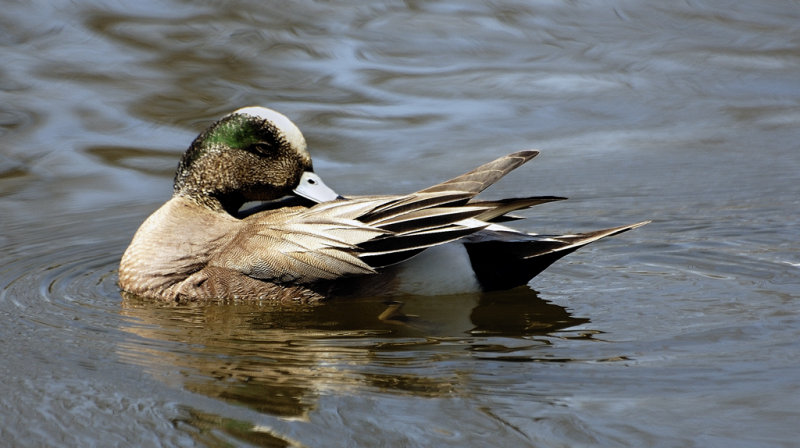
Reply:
x=278, y=360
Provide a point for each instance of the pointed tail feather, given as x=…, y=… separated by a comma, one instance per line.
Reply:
x=505, y=263
x=581, y=239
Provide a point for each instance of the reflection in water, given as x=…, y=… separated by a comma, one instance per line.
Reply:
x=206, y=429
x=519, y=312
x=278, y=360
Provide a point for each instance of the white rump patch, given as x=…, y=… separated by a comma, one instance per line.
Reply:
x=438, y=270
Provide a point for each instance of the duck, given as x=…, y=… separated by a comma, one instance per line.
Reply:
x=250, y=220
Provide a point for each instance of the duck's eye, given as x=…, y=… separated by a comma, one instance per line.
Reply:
x=263, y=148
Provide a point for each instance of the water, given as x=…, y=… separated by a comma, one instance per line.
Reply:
x=680, y=333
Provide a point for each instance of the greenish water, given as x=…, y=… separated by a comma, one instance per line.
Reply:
x=680, y=333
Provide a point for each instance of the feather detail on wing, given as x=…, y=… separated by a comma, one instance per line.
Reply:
x=359, y=235
x=497, y=210
x=343, y=238
x=302, y=245
x=481, y=177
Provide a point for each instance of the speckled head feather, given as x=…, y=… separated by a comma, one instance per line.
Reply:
x=253, y=153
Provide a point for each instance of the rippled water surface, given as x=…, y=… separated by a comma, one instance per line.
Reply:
x=680, y=333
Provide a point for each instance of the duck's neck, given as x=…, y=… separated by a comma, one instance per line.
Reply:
x=220, y=203
x=230, y=203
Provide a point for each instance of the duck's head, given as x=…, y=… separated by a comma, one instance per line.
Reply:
x=252, y=154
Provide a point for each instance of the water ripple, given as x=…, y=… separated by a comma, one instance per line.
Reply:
x=65, y=289
x=274, y=360
x=685, y=113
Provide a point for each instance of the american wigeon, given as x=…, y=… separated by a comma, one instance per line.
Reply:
x=306, y=243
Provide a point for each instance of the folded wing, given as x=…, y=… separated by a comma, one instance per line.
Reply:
x=360, y=235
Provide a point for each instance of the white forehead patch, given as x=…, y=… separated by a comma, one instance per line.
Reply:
x=289, y=130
